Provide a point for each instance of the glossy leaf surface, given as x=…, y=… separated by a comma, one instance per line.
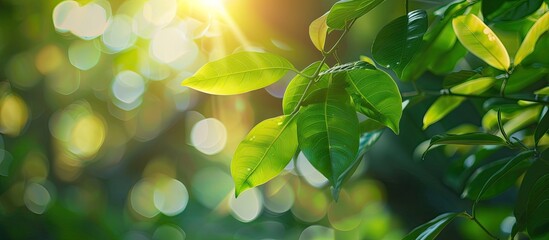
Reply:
x=239, y=73
x=376, y=95
x=529, y=43
x=431, y=229
x=398, y=41
x=328, y=133
x=265, y=152
x=480, y=40
x=346, y=10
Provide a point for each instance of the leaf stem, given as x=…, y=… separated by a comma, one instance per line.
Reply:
x=317, y=72
x=445, y=92
x=480, y=225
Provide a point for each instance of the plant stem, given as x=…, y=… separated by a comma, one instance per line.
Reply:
x=480, y=225
x=445, y=92
x=317, y=72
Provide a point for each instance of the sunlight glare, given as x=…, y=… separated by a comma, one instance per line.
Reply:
x=216, y=5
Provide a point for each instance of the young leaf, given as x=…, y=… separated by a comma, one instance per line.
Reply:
x=440, y=108
x=317, y=32
x=264, y=153
x=446, y=104
x=509, y=10
x=344, y=11
x=476, y=138
x=431, y=229
x=328, y=133
x=297, y=86
x=239, y=73
x=542, y=128
x=480, y=40
x=541, y=26
x=496, y=177
x=398, y=41
x=376, y=95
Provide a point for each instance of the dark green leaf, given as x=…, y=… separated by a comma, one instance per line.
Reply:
x=496, y=177
x=476, y=138
x=265, y=152
x=535, y=181
x=345, y=11
x=509, y=10
x=239, y=73
x=328, y=133
x=398, y=41
x=449, y=60
x=456, y=78
x=505, y=105
x=376, y=95
x=542, y=128
x=297, y=86
x=431, y=229
x=523, y=77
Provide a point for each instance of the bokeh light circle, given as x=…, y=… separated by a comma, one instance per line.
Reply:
x=170, y=196
x=209, y=136
x=37, y=198
x=128, y=87
x=247, y=206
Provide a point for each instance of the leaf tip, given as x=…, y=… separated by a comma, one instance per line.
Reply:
x=335, y=192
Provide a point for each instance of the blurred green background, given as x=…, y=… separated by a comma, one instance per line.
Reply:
x=99, y=140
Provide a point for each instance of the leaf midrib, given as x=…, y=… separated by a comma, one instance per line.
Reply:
x=288, y=121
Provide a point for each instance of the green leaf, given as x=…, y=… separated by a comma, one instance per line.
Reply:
x=440, y=108
x=476, y=138
x=480, y=40
x=297, y=86
x=509, y=10
x=543, y=91
x=317, y=32
x=449, y=59
x=496, y=177
x=398, y=41
x=542, y=128
x=534, y=183
x=431, y=229
x=239, y=73
x=523, y=77
x=541, y=26
x=328, y=133
x=446, y=104
x=376, y=95
x=265, y=152
x=348, y=67
x=345, y=11
x=456, y=78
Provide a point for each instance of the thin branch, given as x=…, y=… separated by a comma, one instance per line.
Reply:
x=480, y=225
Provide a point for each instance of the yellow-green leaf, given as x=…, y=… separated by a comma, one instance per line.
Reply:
x=317, y=32
x=239, y=73
x=480, y=40
x=265, y=152
x=446, y=104
x=541, y=26
x=543, y=91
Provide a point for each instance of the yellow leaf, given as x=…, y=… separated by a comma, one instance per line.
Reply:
x=541, y=26
x=318, y=30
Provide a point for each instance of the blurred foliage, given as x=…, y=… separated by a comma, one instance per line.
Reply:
x=99, y=140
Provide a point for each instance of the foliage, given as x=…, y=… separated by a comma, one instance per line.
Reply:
x=322, y=104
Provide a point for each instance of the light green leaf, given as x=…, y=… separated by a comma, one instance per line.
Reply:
x=509, y=10
x=543, y=91
x=239, y=73
x=446, y=104
x=440, y=108
x=480, y=40
x=398, y=41
x=297, y=86
x=476, y=138
x=328, y=133
x=344, y=11
x=265, y=152
x=496, y=177
x=542, y=128
x=376, y=95
x=317, y=32
x=541, y=26
x=431, y=229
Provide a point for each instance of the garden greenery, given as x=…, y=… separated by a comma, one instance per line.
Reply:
x=322, y=104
